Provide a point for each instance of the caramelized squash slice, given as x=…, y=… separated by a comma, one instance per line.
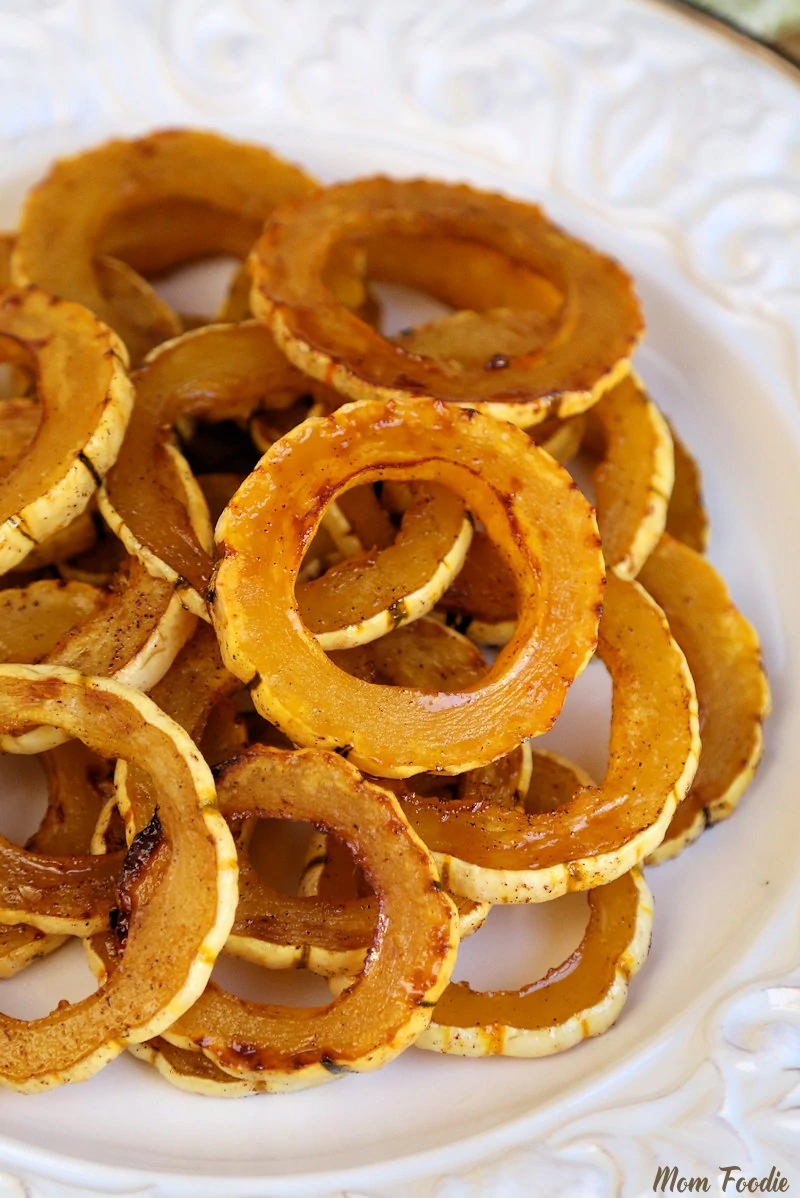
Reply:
x=509, y=855
x=192, y=1071
x=527, y=504
x=633, y=480
x=85, y=400
x=367, y=595
x=580, y=998
x=687, y=518
x=283, y=931
x=217, y=372
x=131, y=632
x=577, y=999
x=152, y=202
x=600, y=321
x=177, y=889
x=724, y=655
x=286, y=1048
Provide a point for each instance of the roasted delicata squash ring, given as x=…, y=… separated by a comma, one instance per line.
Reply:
x=86, y=401
x=18, y=426
x=276, y=930
x=176, y=193
x=724, y=655
x=633, y=480
x=75, y=793
x=509, y=855
x=132, y=632
x=126, y=291
x=553, y=550
x=287, y=1048
x=195, y=523
x=687, y=518
x=184, y=849
x=217, y=372
x=133, y=636
x=368, y=595
x=579, y=998
x=598, y=330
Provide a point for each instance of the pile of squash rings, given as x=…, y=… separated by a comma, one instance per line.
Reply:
x=288, y=619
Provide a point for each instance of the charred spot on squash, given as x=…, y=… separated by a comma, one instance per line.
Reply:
x=334, y=1067
x=138, y=859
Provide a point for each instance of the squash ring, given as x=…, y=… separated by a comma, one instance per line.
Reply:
x=86, y=401
x=280, y=931
x=77, y=1039
x=130, y=199
x=521, y=495
x=367, y=595
x=273, y=930
x=601, y=320
x=724, y=655
x=509, y=855
x=580, y=998
x=191, y=1071
x=634, y=478
x=150, y=499
x=287, y=1048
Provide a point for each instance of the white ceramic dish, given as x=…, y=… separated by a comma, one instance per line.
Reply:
x=676, y=149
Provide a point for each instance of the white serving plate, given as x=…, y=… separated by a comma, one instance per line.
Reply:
x=678, y=150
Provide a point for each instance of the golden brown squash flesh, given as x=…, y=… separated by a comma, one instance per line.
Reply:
x=77, y=785
x=152, y=202
x=527, y=503
x=177, y=888
x=724, y=655
x=579, y=998
x=633, y=480
x=599, y=326
x=218, y=372
x=412, y=955
x=367, y=595
x=511, y=855
x=131, y=632
x=85, y=400
x=687, y=517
